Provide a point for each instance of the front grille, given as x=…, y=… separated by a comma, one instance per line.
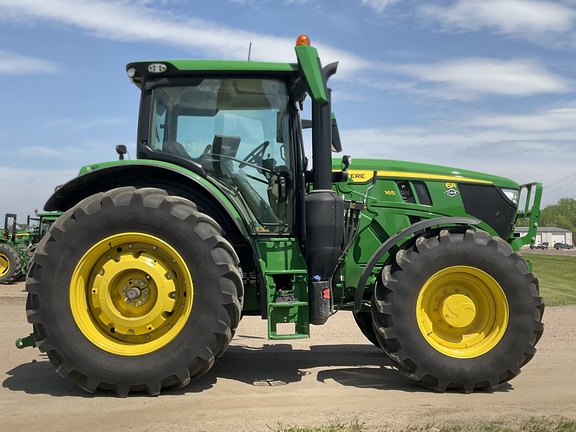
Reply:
x=490, y=205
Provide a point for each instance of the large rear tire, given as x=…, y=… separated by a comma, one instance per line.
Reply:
x=134, y=290
x=458, y=310
x=10, y=264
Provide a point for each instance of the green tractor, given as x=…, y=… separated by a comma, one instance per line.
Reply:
x=141, y=282
x=12, y=253
x=18, y=243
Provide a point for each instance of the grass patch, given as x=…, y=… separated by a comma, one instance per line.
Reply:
x=542, y=424
x=334, y=426
x=556, y=274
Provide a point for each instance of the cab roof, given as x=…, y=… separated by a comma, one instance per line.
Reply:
x=142, y=71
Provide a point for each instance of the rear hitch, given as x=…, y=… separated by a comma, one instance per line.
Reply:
x=25, y=342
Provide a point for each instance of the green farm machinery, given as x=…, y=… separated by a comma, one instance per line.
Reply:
x=12, y=250
x=18, y=243
x=142, y=281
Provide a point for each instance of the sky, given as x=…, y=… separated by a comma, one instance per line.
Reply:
x=483, y=85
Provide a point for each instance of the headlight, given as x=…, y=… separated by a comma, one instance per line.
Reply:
x=511, y=194
x=157, y=67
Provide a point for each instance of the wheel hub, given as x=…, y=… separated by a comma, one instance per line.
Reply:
x=458, y=310
x=132, y=294
x=462, y=311
x=136, y=292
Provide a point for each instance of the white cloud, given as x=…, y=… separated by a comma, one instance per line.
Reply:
x=379, y=5
x=552, y=126
x=471, y=78
x=133, y=21
x=559, y=123
x=13, y=63
x=528, y=18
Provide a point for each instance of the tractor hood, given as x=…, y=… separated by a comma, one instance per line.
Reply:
x=435, y=191
x=362, y=170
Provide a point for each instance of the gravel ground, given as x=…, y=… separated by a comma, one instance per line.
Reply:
x=259, y=384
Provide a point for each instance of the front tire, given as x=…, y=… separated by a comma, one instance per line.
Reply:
x=134, y=290
x=458, y=310
x=364, y=322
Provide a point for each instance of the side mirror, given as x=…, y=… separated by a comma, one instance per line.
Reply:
x=121, y=150
x=346, y=161
x=342, y=176
x=336, y=143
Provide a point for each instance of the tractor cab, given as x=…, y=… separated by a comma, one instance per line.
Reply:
x=240, y=129
x=236, y=131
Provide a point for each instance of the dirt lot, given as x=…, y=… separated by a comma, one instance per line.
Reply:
x=258, y=384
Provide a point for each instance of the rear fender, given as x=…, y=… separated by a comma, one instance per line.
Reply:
x=175, y=180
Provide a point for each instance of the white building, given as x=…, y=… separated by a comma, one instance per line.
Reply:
x=550, y=235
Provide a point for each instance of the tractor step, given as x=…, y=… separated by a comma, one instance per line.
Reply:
x=284, y=270
x=288, y=320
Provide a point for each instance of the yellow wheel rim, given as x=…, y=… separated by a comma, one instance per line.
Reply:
x=4, y=264
x=462, y=312
x=131, y=294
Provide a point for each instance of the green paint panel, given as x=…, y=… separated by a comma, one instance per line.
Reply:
x=310, y=66
x=281, y=255
x=233, y=66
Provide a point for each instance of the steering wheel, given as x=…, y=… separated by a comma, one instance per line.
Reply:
x=256, y=156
